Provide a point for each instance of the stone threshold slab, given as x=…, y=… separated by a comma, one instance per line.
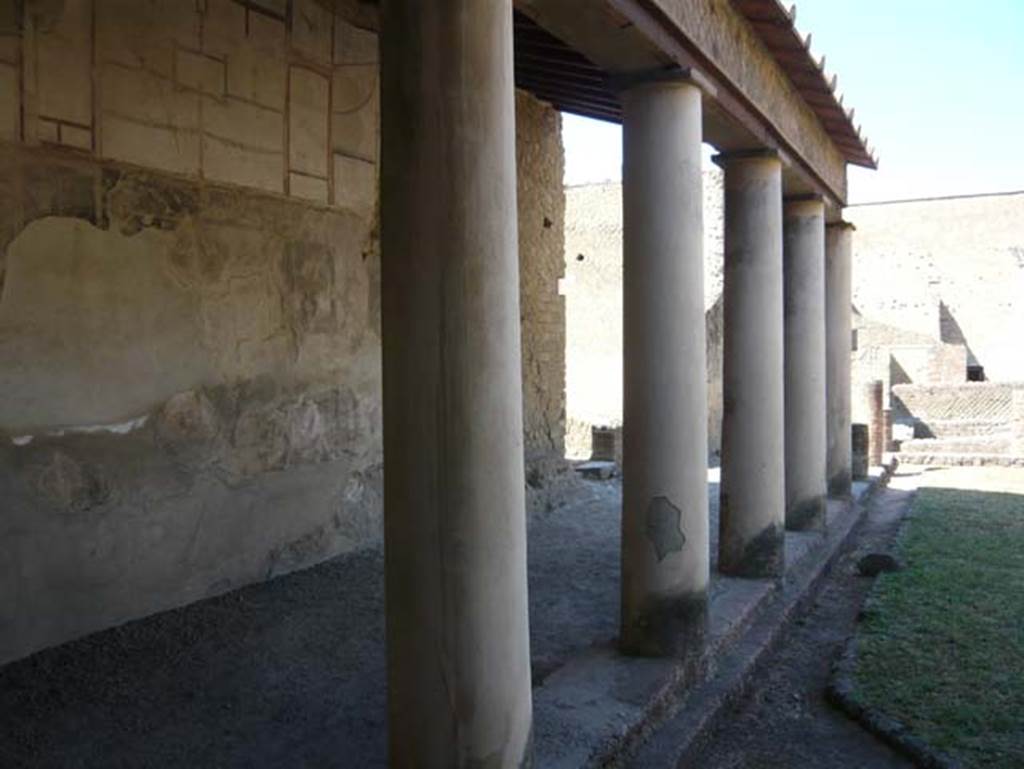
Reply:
x=598, y=709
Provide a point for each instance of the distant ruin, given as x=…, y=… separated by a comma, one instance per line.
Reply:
x=936, y=304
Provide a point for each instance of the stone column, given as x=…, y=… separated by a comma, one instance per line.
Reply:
x=665, y=512
x=454, y=502
x=804, y=269
x=838, y=343
x=876, y=422
x=752, y=503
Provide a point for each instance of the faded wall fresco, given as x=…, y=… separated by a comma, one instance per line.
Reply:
x=189, y=304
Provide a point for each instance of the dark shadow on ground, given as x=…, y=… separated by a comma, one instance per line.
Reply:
x=287, y=673
x=784, y=721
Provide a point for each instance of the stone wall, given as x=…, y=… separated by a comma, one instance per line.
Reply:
x=949, y=269
x=189, y=303
x=593, y=291
x=897, y=356
x=541, y=267
x=937, y=287
x=989, y=402
x=967, y=423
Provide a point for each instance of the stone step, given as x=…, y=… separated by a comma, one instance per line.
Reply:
x=988, y=444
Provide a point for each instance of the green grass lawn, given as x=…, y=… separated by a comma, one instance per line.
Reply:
x=941, y=647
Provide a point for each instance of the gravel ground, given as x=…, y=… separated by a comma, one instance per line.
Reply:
x=785, y=722
x=290, y=672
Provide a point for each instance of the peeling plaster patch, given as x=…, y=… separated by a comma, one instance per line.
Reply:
x=61, y=270
x=664, y=528
x=119, y=428
x=69, y=484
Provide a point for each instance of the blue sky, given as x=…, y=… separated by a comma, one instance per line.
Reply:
x=937, y=84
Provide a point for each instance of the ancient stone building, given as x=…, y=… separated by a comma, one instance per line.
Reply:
x=951, y=270
x=936, y=301
x=280, y=278
x=937, y=287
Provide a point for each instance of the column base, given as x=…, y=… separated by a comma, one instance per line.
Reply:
x=763, y=557
x=840, y=485
x=807, y=514
x=669, y=627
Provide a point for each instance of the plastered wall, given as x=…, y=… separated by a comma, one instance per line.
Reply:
x=189, y=303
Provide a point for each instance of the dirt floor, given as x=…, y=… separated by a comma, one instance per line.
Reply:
x=290, y=672
x=785, y=722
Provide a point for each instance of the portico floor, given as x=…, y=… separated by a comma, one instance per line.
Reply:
x=292, y=672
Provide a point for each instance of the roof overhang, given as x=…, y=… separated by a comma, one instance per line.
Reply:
x=776, y=26
x=769, y=90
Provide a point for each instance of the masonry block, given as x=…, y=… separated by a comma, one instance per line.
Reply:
x=353, y=45
x=244, y=123
x=200, y=72
x=146, y=39
x=308, y=121
x=355, y=106
x=10, y=46
x=75, y=136
x=257, y=77
x=143, y=96
x=10, y=103
x=355, y=184
x=311, y=30
x=275, y=7
x=64, y=64
x=307, y=187
x=268, y=34
x=162, y=147
x=48, y=131
x=226, y=161
x=8, y=17
x=223, y=27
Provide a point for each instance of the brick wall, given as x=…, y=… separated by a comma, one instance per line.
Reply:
x=969, y=401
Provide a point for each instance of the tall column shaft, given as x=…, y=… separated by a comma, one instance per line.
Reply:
x=752, y=502
x=665, y=513
x=454, y=508
x=839, y=339
x=804, y=314
x=877, y=439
